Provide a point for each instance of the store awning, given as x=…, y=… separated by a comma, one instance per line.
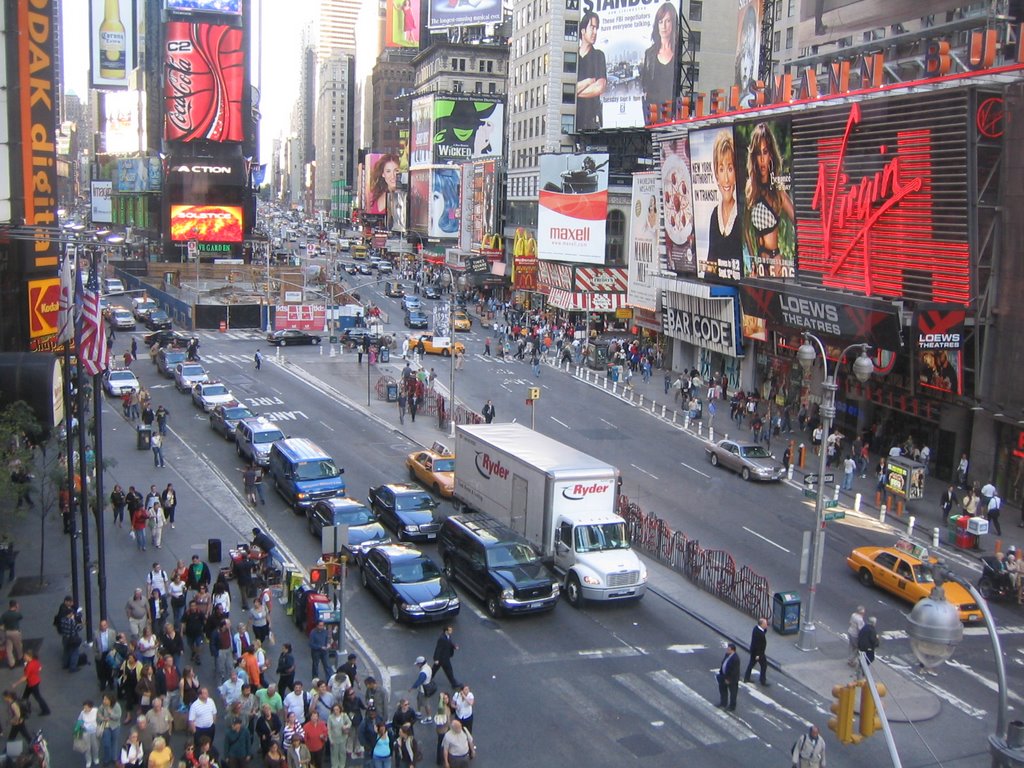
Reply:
x=579, y=301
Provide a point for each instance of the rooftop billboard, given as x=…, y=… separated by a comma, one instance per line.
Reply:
x=402, y=25
x=573, y=207
x=462, y=13
x=111, y=43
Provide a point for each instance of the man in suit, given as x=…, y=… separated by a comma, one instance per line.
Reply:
x=106, y=639
x=443, y=652
x=729, y=679
x=758, y=646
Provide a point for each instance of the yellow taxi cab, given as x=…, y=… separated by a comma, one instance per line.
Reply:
x=424, y=343
x=461, y=321
x=905, y=570
x=434, y=467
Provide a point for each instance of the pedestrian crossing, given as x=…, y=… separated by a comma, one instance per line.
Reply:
x=239, y=335
x=660, y=707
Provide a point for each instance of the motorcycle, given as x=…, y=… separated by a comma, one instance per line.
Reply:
x=995, y=582
x=36, y=756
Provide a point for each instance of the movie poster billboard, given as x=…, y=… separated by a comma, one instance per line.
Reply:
x=748, y=48
x=443, y=14
x=938, y=343
x=466, y=222
x=398, y=211
x=206, y=223
x=381, y=180
x=419, y=199
x=466, y=129
x=402, y=24
x=641, y=290
x=677, y=207
x=122, y=130
x=111, y=43
x=717, y=213
x=482, y=212
x=422, y=144
x=573, y=207
x=765, y=175
x=204, y=82
x=445, y=202
x=628, y=63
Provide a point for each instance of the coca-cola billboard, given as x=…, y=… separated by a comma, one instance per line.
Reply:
x=204, y=78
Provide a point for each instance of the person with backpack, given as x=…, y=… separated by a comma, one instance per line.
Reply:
x=809, y=750
x=424, y=686
x=258, y=359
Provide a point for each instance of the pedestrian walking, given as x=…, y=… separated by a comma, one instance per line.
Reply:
x=867, y=640
x=15, y=718
x=729, y=679
x=202, y=717
x=11, y=623
x=401, y=404
x=424, y=686
x=961, y=472
x=488, y=412
x=993, y=513
x=487, y=346
x=463, y=701
x=161, y=419
x=853, y=633
x=156, y=442
x=457, y=746
x=258, y=359
x=849, y=469
x=156, y=523
x=33, y=678
x=413, y=404
x=87, y=728
x=444, y=649
x=135, y=348
x=319, y=645
x=249, y=482
x=809, y=750
x=137, y=611
x=106, y=639
x=286, y=668
x=758, y=647
x=947, y=502
x=460, y=358
x=169, y=502
x=535, y=363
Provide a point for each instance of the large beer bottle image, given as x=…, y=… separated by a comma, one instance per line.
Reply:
x=113, y=61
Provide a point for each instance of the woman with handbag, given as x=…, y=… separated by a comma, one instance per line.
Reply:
x=109, y=724
x=128, y=681
x=339, y=724
x=145, y=689
x=441, y=722
x=87, y=740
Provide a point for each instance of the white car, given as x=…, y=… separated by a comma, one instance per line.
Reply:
x=209, y=394
x=187, y=375
x=113, y=285
x=119, y=381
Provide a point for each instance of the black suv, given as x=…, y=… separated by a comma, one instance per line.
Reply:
x=496, y=564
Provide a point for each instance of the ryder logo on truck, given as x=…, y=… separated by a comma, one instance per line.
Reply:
x=580, y=491
x=489, y=468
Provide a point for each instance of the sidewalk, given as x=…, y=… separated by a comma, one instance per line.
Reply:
x=209, y=506
x=341, y=376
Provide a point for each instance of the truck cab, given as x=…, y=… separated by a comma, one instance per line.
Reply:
x=594, y=554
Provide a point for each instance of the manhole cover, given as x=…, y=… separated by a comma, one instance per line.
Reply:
x=28, y=585
x=641, y=745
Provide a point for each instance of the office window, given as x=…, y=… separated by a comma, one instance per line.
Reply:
x=572, y=5
x=790, y=8
x=492, y=88
x=778, y=41
x=457, y=86
x=696, y=10
x=789, y=38
x=569, y=62
x=482, y=64
x=572, y=30
x=694, y=39
x=479, y=87
x=615, y=228
x=568, y=93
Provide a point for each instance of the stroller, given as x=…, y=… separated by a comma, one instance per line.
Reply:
x=36, y=756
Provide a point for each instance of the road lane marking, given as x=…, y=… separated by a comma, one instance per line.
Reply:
x=609, y=423
x=992, y=685
x=690, y=648
x=765, y=538
x=558, y=657
x=641, y=469
x=694, y=469
x=327, y=426
x=687, y=695
x=942, y=693
x=702, y=732
x=560, y=422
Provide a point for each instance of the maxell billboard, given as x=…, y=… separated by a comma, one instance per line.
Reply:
x=573, y=207
x=204, y=82
x=628, y=63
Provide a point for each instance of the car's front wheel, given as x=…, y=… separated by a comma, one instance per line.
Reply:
x=573, y=591
x=745, y=473
x=865, y=577
x=494, y=606
x=396, y=612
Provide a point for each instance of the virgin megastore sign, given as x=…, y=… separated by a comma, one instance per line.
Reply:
x=705, y=323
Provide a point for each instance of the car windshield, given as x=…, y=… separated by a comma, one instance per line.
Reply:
x=192, y=370
x=316, y=470
x=216, y=389
x=511, y=554
x=598, y=537
x=354, y=516
x=122, y=313
x=444, y=465
x=270, y=436
x=174, y=357
x=414, y=571
x=923, y=574
x=240, y=412
x=754, y=452
x=410, y=501
x=122, y=376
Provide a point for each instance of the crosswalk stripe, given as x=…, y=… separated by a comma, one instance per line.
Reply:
x=695, y=701
x=643, y=692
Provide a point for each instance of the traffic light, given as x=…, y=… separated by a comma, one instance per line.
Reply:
x=533, y=393
x=318, y=577
x=842, y=707
x=870, y=721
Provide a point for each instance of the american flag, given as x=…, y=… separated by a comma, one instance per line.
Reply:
x=68, y=264
x=92, y=350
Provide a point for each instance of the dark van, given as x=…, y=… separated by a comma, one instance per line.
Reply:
x=303, y=473
x=496, y=564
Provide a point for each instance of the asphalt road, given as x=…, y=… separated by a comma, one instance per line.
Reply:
x=607, y=686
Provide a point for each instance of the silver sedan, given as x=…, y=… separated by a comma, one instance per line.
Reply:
x=751, y=460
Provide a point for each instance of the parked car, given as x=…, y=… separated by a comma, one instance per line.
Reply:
x=187, y=375
x=409, y=583
x=253, y=438
x=224, y=418
x=364, y=531
x=121, y=319
x=157, y=320
x=292, y=337
x=408, y=510
x=117, y=382
x=752, y=461
x=167, y=360
x=207, y=394
x=416, y=319
x=435, y=468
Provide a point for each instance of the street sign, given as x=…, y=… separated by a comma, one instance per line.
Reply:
x=810, y=493
x=837, y=515
x=193, y=247
x=811, y=478
x=829, y=478
x=831, y=503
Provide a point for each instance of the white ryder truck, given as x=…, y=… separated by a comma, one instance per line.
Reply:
x=562, y=500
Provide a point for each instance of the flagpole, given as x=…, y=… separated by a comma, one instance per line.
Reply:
x=84, y=474
x=70, y=463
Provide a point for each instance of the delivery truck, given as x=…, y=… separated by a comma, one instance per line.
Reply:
x=562, y=500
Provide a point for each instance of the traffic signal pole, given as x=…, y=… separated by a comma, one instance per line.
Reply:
x=876, y=698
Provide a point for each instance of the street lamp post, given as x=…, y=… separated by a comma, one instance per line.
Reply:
x=862, y=369
x=935, y=631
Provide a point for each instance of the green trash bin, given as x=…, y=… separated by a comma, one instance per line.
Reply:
x=786, y=613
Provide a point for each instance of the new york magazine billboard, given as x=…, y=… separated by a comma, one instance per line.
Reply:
x=462, y=13
x=204, y=82
x=573, y=207
x=628, y=63
x=717, y=205
x=641, y=290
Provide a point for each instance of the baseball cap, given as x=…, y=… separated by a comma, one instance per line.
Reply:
x=420, y=660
